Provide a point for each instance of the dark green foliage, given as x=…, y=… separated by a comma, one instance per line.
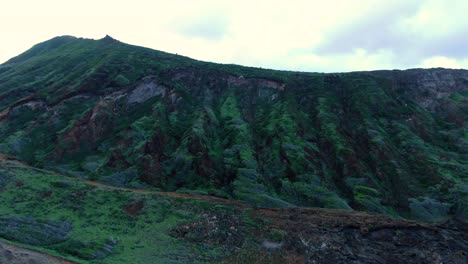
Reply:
x=88, y=250
x=4, y=179
x=308, y=194
x=430, y=210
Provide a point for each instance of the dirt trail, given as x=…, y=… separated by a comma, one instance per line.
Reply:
x=281, y=217
x=171, y=194
x=12, y=254
x=11, y=160
x=298, y=216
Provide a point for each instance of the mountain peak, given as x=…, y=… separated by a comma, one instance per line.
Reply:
x=108, y=38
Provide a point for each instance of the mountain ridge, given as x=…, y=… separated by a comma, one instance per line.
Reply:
x=63, y=39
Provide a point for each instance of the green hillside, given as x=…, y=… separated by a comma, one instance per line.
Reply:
x=391, y=142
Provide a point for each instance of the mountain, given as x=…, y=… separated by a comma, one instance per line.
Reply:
x=138, y=123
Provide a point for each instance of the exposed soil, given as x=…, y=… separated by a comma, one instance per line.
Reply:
x=133, y=209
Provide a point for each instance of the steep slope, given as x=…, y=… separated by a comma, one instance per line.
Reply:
x=391, y=142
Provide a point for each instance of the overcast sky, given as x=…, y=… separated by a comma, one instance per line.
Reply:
x=326, y=36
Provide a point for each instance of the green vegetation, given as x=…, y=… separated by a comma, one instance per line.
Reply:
x=96, y=225
x=135, y=117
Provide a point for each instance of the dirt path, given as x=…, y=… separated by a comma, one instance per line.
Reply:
x=12, y=254
x=11, y=160
x=281, y=217
x=171, y=194
x=297, y=216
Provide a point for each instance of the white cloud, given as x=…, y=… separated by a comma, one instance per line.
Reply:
x=437, y=18
x=444, y=62
x=371, y=34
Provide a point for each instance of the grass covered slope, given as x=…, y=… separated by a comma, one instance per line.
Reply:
x=72, y=219
x=89, y=224
x=391, y=142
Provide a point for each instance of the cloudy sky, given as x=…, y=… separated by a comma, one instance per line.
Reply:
x=327, y=36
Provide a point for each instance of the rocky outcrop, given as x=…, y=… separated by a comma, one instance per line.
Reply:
x=33, y=231
x=89, y=129
x=305, y=235
x=146, y=90
x=237, y=81
x=25, y=108
x=429, y=88
x=387, y=245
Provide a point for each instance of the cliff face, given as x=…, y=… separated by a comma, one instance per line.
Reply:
x=430, y=89
x=391, y=142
